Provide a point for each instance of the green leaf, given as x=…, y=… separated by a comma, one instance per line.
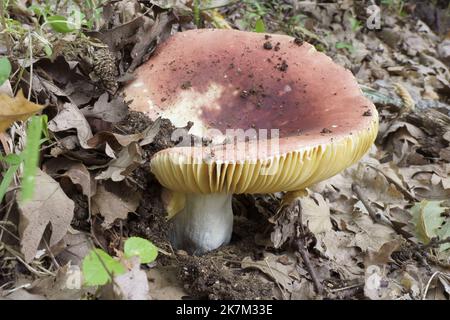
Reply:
x=48, y=50
x=7, y=179
x=37, y=10
x=136, y=246
x=60, y=24
x=259, y=26
x=97, y=267
x=31, y=156
x=12, y=159
x=5, y=69
x=427, y=218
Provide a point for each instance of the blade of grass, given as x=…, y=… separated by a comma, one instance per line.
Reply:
x=197, y=12
x=259, y=26
x=7, y=179
x=31, y=157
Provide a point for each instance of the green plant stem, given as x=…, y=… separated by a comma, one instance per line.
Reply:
x=197, y=13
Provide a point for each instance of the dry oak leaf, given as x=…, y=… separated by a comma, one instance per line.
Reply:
x=15, y=109
x=284, y=275
x=70, y=117
x=49, y=205
x=113, y=201
x=342, y=257
x=316, y=213
x=112, y=111
x=370, y=235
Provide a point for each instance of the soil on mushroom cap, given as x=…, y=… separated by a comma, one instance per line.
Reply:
x=217, y=275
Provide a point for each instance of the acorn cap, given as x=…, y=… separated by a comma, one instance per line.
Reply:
x=228, y=79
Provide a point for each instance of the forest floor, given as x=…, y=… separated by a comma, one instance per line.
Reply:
x=378, y=230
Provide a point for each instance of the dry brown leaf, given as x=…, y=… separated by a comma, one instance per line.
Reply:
x=150, y=33
x=375, y=185
x=369, y=234
x=117, y=141
x=15, y=109
x=127, y=160
x=75, y=171
x=316, y=213
x=303, y=290
x=22, y=294
x=66, y=285
x=283, y=274
x=343, y=257
x=430, y=181
x=72, y=248
x=112, y=111
x=49, y=205
x=413, y=131
x=382, y=256
x=70, y=117
x=114, y=200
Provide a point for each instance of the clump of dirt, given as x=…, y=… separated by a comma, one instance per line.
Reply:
x=150, y=219
x=267, y=45
x=209, y=277
x=219, y=275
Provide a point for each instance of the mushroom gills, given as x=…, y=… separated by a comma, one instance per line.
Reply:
x=204, y=224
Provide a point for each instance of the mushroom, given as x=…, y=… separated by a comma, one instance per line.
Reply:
x=236, y=87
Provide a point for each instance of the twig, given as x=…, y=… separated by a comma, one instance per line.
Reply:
x=52, y=256
x=424, y=296
x=353, y=286
x=301, y=246
x=31, y=66
x=6, y=217
x=434, y=242
x=376, y=217
x=28, y=266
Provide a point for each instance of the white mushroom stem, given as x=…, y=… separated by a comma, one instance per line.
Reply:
x=204, y=224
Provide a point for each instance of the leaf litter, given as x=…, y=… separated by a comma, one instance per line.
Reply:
x=385, y=242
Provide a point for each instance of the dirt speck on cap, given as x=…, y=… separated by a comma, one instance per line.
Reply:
x=277, y=47
x=299, y=41
x=267, y=45
x=283, y=66
x=186, y=85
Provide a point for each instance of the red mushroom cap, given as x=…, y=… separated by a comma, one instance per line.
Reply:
x=228, y=79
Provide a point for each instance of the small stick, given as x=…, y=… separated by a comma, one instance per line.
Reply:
x=376, y=217
x=424, y=296
x=435, y=243
x=301, y=245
